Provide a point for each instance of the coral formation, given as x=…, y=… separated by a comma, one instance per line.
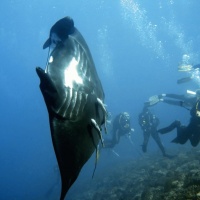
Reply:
x=149, y=178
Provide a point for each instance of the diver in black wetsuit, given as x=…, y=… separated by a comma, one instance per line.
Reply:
x=180, y=100
x=190, y=132
x=149, y=123
x=121, y=127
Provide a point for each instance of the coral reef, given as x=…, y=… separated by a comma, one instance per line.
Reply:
x=149, y=178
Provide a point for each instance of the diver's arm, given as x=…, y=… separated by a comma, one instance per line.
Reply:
x=142, y=123
x=147, y=104
x=129, y=133
x=157, y=122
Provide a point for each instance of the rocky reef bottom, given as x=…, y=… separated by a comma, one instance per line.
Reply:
x=148, y=178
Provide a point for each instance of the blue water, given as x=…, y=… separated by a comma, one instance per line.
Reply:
x=137, y=46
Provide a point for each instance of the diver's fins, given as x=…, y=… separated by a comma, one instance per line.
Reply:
x=184, y=80
x=154, y=100
x=181, y=138
x=185, y=68
x=175, y=140
x=169, y=128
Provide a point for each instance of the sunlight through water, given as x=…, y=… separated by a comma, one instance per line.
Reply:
x=104, y=51
x=146, y=30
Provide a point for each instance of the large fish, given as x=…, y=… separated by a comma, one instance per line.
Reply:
x=74, y=98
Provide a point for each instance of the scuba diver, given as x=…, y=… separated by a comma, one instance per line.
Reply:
x=121, y=127
x=185, y=133
x=149, y=123
x=186, y=101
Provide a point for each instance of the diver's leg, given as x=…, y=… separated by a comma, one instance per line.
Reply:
x=109, y=144
x=176, y=96
x=116, y=137
x=145, y=141
x=169, y=128
x=194, y=140
x=115, y=140
x=195, y=136
x=172, y=102
x=156, y=137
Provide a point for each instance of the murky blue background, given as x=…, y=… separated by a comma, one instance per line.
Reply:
x=137, y=47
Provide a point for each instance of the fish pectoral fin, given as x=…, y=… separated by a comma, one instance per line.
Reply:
x=47, y=43
x=48, y=90
x=46, y=83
